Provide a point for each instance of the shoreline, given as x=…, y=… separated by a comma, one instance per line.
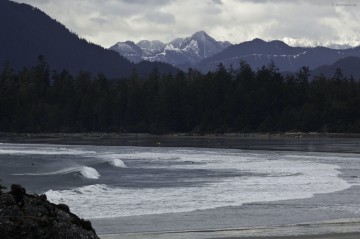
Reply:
x=351, y=235
x=218, y=223
x=322, y=236
x=114, y=135
x=296, y=231
x=308, y=142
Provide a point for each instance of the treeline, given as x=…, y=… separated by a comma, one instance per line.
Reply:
x=227, y=100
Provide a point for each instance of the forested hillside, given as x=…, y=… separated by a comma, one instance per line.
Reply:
x=27, y=32
x=33, y=100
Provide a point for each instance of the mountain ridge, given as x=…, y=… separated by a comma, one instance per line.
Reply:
x=349, y=66
x=179, y=51
x=202, y=52
x=258, y=53
x=28, y=32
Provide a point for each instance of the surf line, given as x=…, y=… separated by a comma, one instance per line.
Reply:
x=85, y=171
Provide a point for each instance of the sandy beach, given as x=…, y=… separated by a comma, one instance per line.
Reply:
x=297, y=231
x=323, y=236
x=230, y=234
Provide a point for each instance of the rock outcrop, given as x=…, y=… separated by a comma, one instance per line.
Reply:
x=32, y=216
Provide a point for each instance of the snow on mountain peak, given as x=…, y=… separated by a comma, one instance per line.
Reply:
x=192, y=47
x=179, y=51
x=171, y=47
x=200, y=35
x=308, y=43
x=126, y=47
x=151, y=46
x=177, y=42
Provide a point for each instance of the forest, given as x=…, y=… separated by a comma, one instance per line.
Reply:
x=226, y=100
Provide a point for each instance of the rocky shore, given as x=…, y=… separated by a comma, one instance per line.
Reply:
x=32, y=216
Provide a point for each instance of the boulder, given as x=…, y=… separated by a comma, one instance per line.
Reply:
x=32, y=216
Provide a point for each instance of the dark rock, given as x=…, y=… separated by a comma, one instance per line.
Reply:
x=18, y=193
x=63, y=207
x=32, y=216
x=42, y=197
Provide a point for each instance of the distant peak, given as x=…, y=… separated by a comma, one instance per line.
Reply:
x=200, y=34
x=130, y=42
x=150, y=42
x=279, y=42
x=258, y=40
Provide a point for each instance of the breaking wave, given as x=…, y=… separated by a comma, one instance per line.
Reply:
x=113, y=159
x=282, y=179
x=118, y=163
x=85, y=171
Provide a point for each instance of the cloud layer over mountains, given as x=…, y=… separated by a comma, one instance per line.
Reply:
x=296, y=22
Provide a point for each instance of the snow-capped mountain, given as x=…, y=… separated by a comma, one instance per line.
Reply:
x=204, y=53
x=150, y=48
x=30, y=32
x=180, y=51
x=129, y=50
x=260, y=53
x=329, y=44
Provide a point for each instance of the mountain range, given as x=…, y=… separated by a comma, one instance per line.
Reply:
x=258, y=53
x=204, y=53
x=27, y=32
x=179, y=52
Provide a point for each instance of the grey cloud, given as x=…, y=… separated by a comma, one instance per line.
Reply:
x=108, y=21
x=312, y=2
x=44, y=1
x=267, y=1
x=160, y=17
x=218, y=2
x=99, y=20
x=147, y=2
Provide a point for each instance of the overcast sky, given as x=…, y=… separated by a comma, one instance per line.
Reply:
x=106, y=22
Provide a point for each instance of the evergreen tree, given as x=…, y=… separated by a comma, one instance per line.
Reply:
x=226, y=100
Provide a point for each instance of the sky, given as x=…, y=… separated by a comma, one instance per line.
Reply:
x=297, y=22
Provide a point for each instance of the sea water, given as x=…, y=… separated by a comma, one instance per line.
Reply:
x=120, y=182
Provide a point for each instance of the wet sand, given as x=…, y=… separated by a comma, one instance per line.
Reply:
x=325, y=236
x=274, y=220
x=316, y=230
x=190, y=235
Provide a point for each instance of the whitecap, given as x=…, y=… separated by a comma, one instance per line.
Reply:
x=85, y=171
x=43, y=149
x=288, y=179
x=89, y=172
x=118, y=163
x=113, y=159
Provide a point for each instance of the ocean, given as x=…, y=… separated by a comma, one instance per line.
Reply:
x=127, y=189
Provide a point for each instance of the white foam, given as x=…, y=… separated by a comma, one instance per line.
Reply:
x=14, y=149
x=286, y=179
x=87, y=172
x=118, y=163
x=113, y=159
